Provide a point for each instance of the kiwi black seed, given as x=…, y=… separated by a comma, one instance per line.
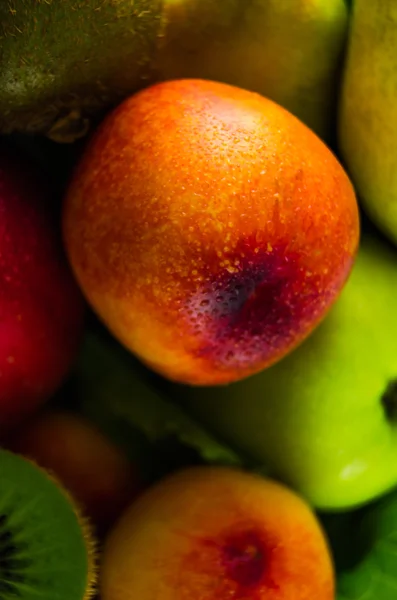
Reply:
x=46, y=548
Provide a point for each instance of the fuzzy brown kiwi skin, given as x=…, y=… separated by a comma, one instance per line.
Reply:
x=88, y=534
x=63, y=63
x=87, y=530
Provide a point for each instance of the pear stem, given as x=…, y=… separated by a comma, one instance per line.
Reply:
x=389, y=400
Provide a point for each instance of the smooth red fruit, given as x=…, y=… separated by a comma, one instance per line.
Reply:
x=217, y=534
x=95, y=471
x=209, y=229
x=41, y=307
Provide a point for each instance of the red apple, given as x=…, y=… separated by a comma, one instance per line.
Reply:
x=41, y=307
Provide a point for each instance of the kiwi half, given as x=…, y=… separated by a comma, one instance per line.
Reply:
x=46, y=548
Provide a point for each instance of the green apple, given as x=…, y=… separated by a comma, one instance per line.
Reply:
x=367, y=128
x=287, y=50
x=324, y=419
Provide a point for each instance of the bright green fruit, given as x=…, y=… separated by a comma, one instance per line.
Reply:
x=287, y=50
x=368, y=110
x=62, y=61
x=324, y=419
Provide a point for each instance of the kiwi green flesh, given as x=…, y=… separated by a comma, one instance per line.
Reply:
x=80, y=56
x=43, y=553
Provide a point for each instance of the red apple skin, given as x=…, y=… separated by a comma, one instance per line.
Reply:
x=41, y=307
x=95, y=471
x=213, y=533
x=209, y=229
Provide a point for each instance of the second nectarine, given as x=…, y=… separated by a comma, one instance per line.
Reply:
x=211, y=533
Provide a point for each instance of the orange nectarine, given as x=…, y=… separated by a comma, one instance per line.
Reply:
x=210, y=533
x=210, y=229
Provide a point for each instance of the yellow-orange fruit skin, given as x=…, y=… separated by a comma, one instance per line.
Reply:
x=213, y=533
x=94, y=471
x=209, y=229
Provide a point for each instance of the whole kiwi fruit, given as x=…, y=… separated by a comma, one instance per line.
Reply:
x=62, y=62
x=46, y=548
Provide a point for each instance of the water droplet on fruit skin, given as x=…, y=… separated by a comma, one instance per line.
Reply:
x=251, y=312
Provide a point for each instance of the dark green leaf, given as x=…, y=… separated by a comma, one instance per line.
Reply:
x=116, y=393
x=372, y=532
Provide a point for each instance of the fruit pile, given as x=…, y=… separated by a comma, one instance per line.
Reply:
x=198, y=270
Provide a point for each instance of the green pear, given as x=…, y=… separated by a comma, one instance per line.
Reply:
x=324, y=419
x=287, y=50
x=62, y=61
x=367, y=127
